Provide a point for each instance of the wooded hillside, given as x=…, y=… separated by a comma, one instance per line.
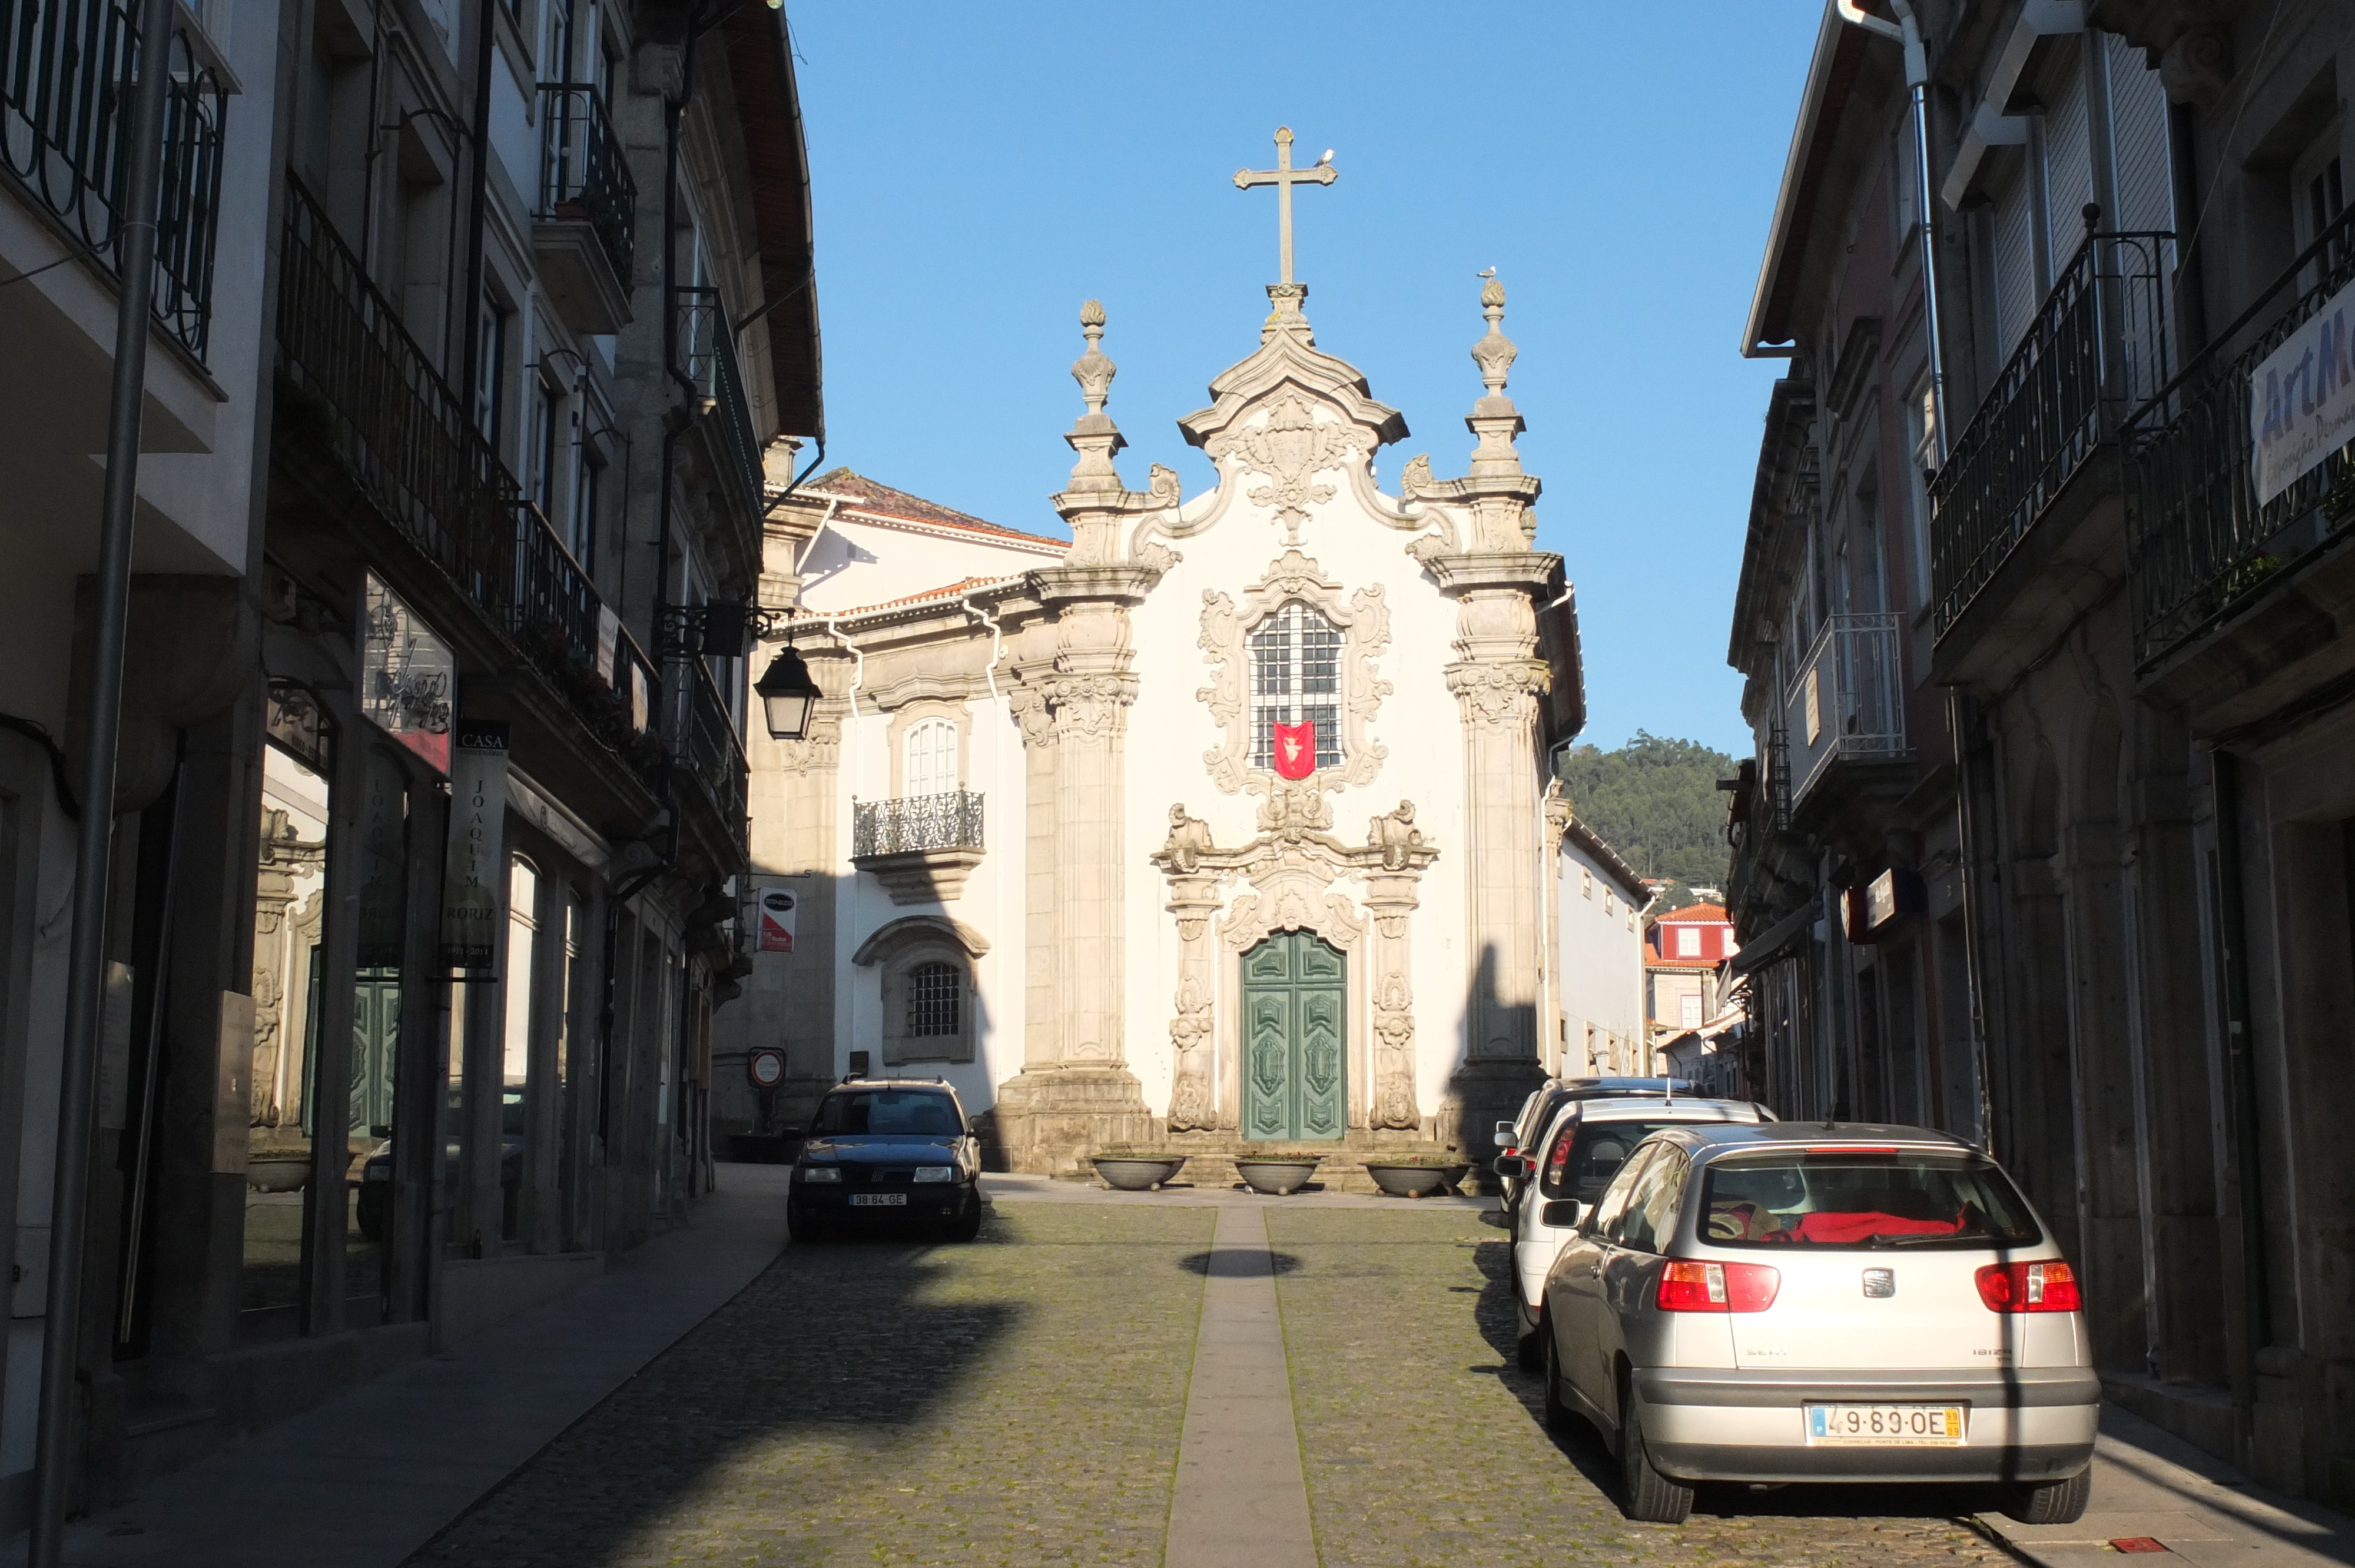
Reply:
x=1656, y=801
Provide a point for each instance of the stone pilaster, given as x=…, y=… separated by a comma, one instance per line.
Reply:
x=1075, y=1092
x=1391, y=898
x=1194, y=1091
x=1497, y=581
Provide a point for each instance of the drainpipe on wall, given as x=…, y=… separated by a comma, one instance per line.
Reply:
x=62, y=1395
x=2241, y=1072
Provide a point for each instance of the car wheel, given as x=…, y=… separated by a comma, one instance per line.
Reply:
x=966, y=1225
x=1557, y=1412
x=2053, y=1502
x=1651, y=1496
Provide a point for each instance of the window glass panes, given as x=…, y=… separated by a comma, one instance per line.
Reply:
x=289, y=929
x=515, y=1045
x=932, y=757
x=383, y=913
x=1296, y=677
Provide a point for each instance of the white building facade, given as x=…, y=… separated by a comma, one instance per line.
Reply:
x=1045, y=836
x=1599, y=956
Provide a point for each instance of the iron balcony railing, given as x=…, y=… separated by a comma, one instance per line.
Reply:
x=2096, y=351
x=583, y=174
x=358, y=382
x=1845, y=700
x=712, y=751
x=65, y=72
x=706, y=350
x=913, y=822
x=2203, y=544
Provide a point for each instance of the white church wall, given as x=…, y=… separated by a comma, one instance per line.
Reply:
x=853, y=564
x=1170, y=728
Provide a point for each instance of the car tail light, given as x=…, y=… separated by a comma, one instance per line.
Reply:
x=2029, y=1288
x=1717, y=1287
x=1559, y=1161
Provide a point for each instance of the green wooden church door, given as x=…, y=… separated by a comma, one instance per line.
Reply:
x=1293, y=1080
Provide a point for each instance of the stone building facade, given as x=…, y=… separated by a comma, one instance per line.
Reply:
x=2046, y=838
x=1123, y=913
x=431, y=817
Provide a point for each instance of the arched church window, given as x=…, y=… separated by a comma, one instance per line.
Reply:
x=936, y=1001
x=932, y=757
x=1295, y=656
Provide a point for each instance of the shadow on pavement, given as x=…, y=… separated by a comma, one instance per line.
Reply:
x=836, y=1338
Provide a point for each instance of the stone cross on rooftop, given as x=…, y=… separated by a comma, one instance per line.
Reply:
x=1283, y=176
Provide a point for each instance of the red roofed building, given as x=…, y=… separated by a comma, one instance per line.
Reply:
x=1682, y=950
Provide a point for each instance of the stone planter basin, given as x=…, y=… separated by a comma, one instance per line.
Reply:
x=1276, y=1178
x=1137, y=1174
x=1414, y=1181
x=280, y=1173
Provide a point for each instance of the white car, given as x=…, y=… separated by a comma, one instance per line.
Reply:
x=1566, y=1166
x=1799, y=1301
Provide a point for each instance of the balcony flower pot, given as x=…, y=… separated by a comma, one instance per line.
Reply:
x=1136, y=1170
x=1277, y=1175
x=1415, y=1175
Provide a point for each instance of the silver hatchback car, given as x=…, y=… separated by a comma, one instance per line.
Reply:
x=1801, y=1301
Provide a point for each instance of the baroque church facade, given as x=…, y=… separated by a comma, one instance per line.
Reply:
x=1226, y=821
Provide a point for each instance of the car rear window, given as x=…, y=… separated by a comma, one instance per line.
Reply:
x=1586, y=1154
x=888, y=1111
x=1843, y=1198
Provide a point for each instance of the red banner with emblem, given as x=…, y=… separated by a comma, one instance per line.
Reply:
x=1295, y=749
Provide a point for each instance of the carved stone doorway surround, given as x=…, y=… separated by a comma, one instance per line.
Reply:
x=1292, y=877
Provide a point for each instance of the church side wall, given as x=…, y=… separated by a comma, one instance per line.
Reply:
x=1602, y=959
x=852, y=565
x=990, y=902
x=1171, y=728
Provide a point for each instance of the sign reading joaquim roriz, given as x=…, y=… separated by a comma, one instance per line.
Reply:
x=2302, y=398
x=474, y=873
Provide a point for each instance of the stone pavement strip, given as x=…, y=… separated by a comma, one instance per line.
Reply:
x=1240, y=1497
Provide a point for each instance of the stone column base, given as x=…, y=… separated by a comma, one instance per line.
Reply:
x=1481, y=1094
x=1049, y=1120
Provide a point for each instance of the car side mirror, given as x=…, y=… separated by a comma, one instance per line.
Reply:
x=1507, y=1134
x=1512, y=1166
x=1562, y=1213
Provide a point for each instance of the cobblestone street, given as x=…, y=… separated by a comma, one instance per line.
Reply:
x=1021, y=1401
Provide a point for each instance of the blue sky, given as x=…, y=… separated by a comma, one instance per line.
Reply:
x=980, y=169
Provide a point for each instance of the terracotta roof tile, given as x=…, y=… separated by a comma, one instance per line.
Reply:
x=883, y=501
x=947, y=591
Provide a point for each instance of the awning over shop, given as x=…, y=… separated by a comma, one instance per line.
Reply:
x=1774, y=942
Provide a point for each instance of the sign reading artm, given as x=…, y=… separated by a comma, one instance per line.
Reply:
x=2302, y=399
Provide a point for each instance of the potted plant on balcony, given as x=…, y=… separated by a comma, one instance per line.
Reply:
x=1415, y=1173
x=1278, y=1172
x=1132, y=1169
